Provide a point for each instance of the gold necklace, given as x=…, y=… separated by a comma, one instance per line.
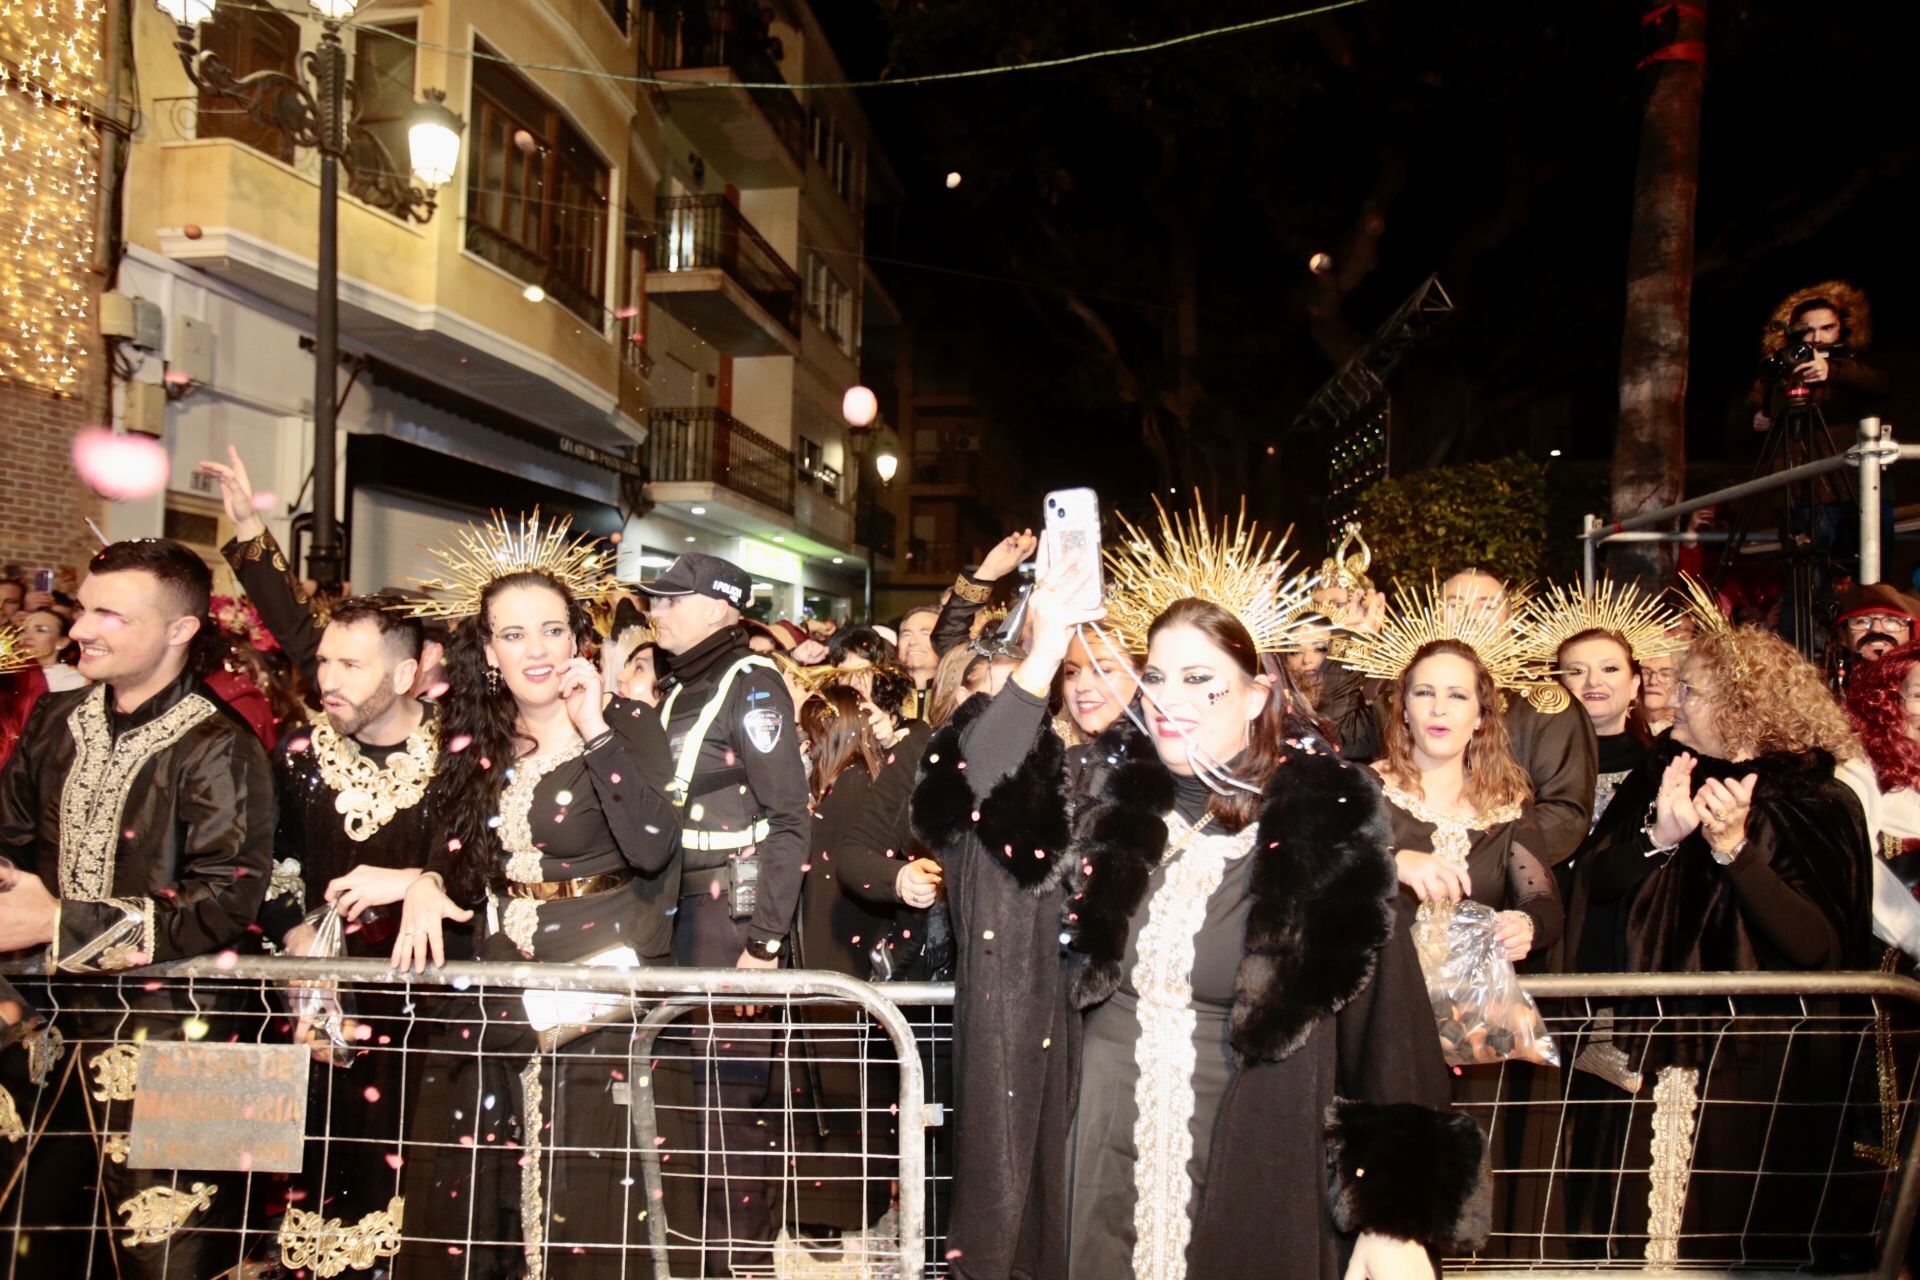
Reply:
x=366, y=795
x=1183, y=841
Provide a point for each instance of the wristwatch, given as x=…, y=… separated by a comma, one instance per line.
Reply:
x=1728, y=858
x=764, y=949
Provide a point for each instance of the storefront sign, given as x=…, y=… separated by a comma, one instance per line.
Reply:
x=220, y=1106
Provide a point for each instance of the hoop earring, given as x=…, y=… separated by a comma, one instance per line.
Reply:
x=493, y=679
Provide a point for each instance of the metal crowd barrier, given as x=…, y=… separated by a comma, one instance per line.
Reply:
x=419, y=1157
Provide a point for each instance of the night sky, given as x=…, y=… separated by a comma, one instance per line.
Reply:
x=1493, y=144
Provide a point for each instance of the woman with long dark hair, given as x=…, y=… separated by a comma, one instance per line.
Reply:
x=1240, y=1018
x=842, y=761
x=556, y=828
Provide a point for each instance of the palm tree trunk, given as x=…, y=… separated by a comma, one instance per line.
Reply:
x=1649, y=451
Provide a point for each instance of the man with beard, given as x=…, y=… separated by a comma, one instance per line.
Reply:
x=140, y=815
x=1873, y=619
x=354, y=830
x=291, y=618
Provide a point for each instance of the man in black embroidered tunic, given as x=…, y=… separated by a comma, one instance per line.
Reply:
x=140, y=814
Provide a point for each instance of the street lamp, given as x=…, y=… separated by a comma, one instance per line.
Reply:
x=318, y=107
x=860, y=437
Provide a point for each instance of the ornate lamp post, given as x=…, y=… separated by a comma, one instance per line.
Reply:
x=860, y=409
x=318, y=107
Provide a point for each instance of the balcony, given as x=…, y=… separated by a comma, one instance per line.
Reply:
x=756, y=137
x=237, y=214
x=718, y=276
x=709, y=447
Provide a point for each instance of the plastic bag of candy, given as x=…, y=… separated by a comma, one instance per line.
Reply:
x=1483, y=1013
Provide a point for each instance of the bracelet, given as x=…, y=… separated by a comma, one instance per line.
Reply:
x=1646, y=829
x=970, y=591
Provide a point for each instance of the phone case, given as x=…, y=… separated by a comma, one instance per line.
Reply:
x=1073, y=525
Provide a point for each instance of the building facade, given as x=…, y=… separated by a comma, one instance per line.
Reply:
x=636, y=304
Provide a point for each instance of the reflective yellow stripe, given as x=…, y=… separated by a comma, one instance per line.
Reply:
x=697, y=735
x=707, y=841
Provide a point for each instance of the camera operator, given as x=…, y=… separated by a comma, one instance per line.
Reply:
x=1816, y=339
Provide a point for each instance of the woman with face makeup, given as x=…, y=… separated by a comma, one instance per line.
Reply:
x=1733, y=847
x=1239, y=1010
x=559, y=836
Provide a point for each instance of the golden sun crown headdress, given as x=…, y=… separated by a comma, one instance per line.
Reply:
x=13, y=655
x=1419, y=618
x=482, y=553
x=1235, y=566
x=1561, y=613
x=1702, y=604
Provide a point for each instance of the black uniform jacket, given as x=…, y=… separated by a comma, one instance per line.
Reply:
x=749, y=768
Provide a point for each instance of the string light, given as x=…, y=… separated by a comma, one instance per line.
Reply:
x=49, y=177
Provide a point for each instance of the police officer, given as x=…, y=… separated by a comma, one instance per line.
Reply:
x=742, y=792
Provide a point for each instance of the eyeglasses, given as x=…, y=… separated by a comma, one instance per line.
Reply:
x=1863, y=623
x=1683, y=691
x=1653, y=675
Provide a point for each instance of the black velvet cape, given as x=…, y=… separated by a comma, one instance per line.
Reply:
x=1337, y=1119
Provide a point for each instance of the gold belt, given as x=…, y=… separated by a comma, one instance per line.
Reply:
x=554, y=890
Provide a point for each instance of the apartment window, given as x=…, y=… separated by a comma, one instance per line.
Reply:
x=383, y=73
x=536, y=193
x=247, y=40
x=830, y=302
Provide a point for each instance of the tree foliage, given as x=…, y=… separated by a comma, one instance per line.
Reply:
x=1486, y=515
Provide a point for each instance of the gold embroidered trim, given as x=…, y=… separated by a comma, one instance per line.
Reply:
x=327, y=1246
x=96, y=789
x=12, y=1128
x=1163, y=1091
x=156, y=1213
x=533, y=1205
x=1451, y=835
x=1676, y=1098
x=971, y=592
x=521, y=920
x=366, y=795
x=1885, y=1153
x=120, y=944
x=115, y=1069
x=516, y=810
x=116, y=1146
x=45, y=1046
x=287, y=881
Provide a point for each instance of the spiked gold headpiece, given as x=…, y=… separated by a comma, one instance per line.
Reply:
x=1643, y=621
x=13, y=655
x=482, y=553
x=1418, y=618
x=1702, y=604
x=1347, y=569
x=1236, y=566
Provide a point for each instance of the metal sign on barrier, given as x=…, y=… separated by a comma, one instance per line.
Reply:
x=220, y=1106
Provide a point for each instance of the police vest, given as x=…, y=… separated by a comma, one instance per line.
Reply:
x=679, y=788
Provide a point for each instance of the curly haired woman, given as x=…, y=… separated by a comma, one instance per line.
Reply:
x=1883, y=703
x=1734, y=847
